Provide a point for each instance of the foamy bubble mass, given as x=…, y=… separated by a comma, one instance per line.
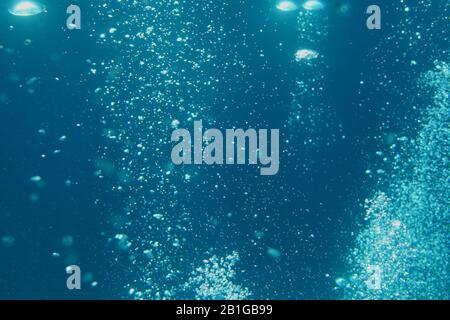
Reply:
x=406, y=237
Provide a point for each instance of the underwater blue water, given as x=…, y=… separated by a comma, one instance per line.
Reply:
x=87, y=179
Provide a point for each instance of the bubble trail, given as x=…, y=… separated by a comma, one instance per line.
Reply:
x=406, y=237
x=163, y=69
x=311, y=118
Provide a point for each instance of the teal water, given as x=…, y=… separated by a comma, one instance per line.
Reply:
x=358, y=209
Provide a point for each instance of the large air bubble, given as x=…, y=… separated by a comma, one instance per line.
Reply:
x=27, y=8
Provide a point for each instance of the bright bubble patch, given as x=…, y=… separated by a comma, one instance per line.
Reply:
x=313, y=5
x=286, y=6
x=305, y=54
x=27, y=8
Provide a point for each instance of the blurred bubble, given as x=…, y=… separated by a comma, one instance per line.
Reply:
x=67, y=241
x=286, y=6
x=8, y=241
x=274, y=253
x=27, y=8
x=343, y=8
x=313, y=5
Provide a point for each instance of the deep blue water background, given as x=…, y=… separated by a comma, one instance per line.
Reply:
x=333, y=190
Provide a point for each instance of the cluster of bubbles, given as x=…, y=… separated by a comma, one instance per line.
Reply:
x=406, y=237
x=311, y=117
x=310, y=25
x=403, y=244
x=213, y=280
x=174, y=65
x=167, y=61
x=165, y=69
